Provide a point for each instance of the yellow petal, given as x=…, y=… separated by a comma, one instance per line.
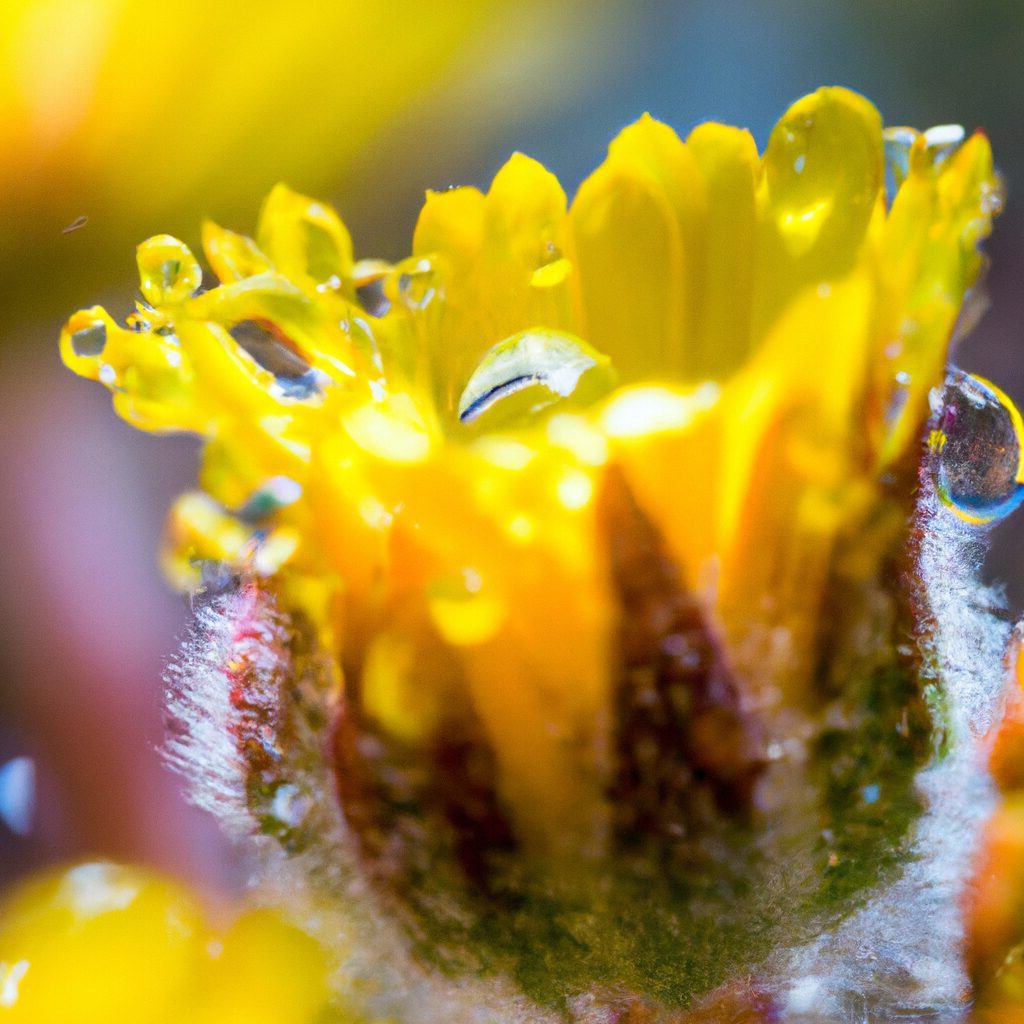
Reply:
x=928, y=261
x=149, y=374
x=656, y=151
x=265, y=971
x=99, y=944
x=654, y=427
x=791, y=473
x=822, y=176
x=628, y=252
x=305, y=240
x=487, y=252
x=232, y=256
x=729, y=167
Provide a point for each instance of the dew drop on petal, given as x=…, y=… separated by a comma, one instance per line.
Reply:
x=294, y=378
x=552, y=269
x=370, y=280
x=90, y=342
x=412, y=283
x=547, y=275
x=992, y=198
x=550, y=363
x=897, y=143
x=168, y=272
x=976, y=446
x=821, y=172
x=943, y=141
x=372, y=298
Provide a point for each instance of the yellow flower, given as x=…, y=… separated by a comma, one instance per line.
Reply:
x=571, y=551
x=115, y=117
x=105, y=944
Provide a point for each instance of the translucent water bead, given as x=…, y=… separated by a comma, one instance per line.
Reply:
x=976, y=445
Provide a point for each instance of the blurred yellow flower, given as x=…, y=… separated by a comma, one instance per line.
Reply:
x=115, y=118
x=572, y=543
x=105, y=944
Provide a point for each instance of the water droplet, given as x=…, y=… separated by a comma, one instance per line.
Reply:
x=168, y=272
x=90, y=341
x=992, y=198
x=819, y=164
x=294, y=378
x=550, y=363
x=369, y=278
x=18, y=794
x=372, y=298
x=943, y=141
x=332, y=284
x=303, y=387
x=548, y=275
x=897, y=143
x=976, y=446
x=413, y=283
x=552, y=269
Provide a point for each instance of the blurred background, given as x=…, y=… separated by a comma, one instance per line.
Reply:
x=119, y=120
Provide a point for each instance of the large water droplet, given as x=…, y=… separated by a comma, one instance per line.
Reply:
x=294, y=378
x=821, y=169
x=89, y=342
x=168, y=272
x=977, y=449
x=552, y=364
x=412, y=283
